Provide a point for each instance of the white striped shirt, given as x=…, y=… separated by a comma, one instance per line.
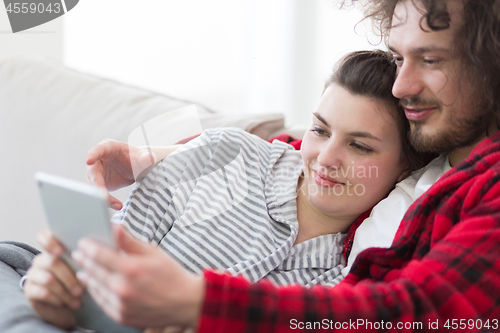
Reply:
x=227, y=200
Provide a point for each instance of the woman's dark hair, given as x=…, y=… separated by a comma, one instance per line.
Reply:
x=477, y=42
x=372, y=74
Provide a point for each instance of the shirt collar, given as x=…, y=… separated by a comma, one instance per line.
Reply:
x=280, y=188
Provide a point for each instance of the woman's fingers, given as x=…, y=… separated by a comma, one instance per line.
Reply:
x=51, y=286
x=109, y=166
x=114, y=202
x=39, y=293
x=50, y=244
x=52, y=262
x=43, y=286
x=58, y=316
x=103, y=149
x=66, y=277
x=56, y=277
x=95, y=174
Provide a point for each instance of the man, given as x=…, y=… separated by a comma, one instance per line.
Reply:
x=443, y=270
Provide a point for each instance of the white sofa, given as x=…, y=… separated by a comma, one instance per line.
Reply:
x=50, y=116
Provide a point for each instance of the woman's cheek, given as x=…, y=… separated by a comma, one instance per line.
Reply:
x=368, y=175
x=384, y=179
x=364, y=171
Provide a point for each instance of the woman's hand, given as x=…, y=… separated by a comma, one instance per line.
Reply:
x=113, y=165
x=138, y=284
x=51, y=286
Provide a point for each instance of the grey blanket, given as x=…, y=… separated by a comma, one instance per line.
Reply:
x=17, y=255
x=16, y=314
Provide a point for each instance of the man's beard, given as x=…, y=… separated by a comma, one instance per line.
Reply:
x=462, y=130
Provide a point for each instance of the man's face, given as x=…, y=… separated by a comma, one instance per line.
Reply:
x=438, y=99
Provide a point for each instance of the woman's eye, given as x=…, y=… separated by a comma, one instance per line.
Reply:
x=361, y=147
x=319, y=131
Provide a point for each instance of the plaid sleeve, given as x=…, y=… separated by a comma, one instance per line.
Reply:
x=296, y=143
x=460, y=281
x=235, y=305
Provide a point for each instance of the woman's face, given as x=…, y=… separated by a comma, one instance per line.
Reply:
x=352, y=154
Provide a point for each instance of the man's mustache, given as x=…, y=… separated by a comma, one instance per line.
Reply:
x=420, y=102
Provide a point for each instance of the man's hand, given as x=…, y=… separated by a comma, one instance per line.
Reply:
x=112, y=164
x=138, y=285
x=51, y=286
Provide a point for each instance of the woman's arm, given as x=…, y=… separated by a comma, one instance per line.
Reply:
x=112, y=164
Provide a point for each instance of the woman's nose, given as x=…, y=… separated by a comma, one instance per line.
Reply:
x=330, y=156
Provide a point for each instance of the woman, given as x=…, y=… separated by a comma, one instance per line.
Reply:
x=293, y=206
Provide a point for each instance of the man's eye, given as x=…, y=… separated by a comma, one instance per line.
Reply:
x=397, y=60
x=361, y=147
x=319, y=131
x=432, y=62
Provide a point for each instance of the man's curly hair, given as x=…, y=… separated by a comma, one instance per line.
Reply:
x=477, y=42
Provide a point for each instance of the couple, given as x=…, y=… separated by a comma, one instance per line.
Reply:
x=443, y=265
x=229, y=200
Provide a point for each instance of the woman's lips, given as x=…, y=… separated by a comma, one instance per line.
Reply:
x=416, y=114
x=325, y=181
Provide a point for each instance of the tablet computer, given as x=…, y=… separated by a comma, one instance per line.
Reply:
x=75, y=210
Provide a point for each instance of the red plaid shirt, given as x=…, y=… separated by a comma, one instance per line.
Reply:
x=443, y=268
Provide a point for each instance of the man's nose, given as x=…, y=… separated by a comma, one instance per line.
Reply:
x=408, y=82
